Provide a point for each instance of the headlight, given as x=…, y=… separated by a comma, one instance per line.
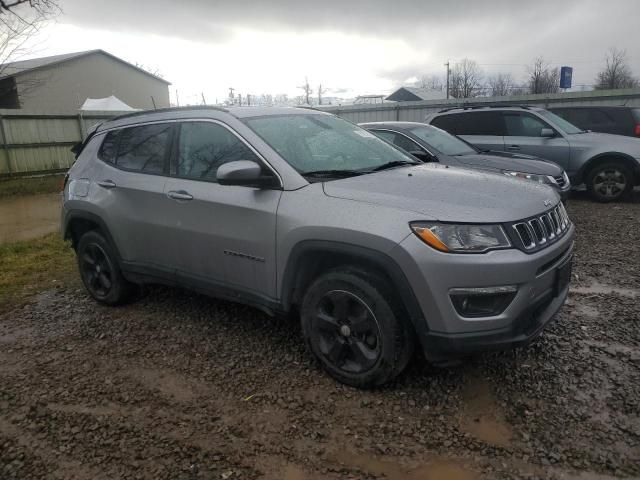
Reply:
x=452, y=238
x=546, y=179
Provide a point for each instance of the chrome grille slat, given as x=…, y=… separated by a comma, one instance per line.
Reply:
x=538, y=231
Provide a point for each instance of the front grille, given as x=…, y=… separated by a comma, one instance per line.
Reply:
x=537, y=232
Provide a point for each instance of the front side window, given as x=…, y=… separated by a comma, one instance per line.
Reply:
x=318, y=142
x=523, y=125
x=204, y=146
x=442, y=141
x=144, y=149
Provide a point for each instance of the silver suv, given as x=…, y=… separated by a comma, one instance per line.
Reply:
x=609, y=165
x=298, y=211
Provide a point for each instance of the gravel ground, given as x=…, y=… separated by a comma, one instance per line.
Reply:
x=180, y=386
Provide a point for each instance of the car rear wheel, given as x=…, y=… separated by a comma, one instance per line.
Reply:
x=609, y=181
x=355, y=327
x=99, y=270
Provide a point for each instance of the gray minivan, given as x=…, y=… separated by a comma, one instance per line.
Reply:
x=609, y=165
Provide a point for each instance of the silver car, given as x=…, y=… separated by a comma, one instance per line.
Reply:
x=609, y=165
x=298, y=211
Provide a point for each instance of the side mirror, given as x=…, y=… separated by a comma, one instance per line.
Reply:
x=547, y=133
x=421, y=155
x=244, y=173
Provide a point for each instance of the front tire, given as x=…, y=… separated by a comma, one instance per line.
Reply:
x=354, y=325
x=99, y=270
x=609, y=181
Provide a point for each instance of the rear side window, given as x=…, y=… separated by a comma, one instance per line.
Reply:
x=636, y=114
x=399, y=141
x=144, y=149
x=204, y=147
x=478, y=123
x=109, y=148
x=446, y=123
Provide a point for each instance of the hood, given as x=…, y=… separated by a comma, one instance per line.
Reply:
x=516, y=163
x=440, y=192
x=606, y=142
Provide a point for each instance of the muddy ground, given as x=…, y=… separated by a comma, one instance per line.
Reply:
x=179, y=386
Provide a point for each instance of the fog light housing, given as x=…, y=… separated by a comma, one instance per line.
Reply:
x=483, y=301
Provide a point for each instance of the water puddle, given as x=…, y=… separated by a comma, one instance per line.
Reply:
x=437, y=469
x=481, y=414
x=24, y=218
x=597, y=288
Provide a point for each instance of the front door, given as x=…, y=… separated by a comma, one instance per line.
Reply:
x=523, y=135
x=220, y=235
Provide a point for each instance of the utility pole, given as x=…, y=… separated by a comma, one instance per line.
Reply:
x=249, y=99
x=231, y=90
x=320, y=92
x=204, y=102
x=240, y=99
x=448, y=73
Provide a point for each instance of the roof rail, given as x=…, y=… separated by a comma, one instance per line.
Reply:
x=308, y=107
x=169, y=109
x=474, y=106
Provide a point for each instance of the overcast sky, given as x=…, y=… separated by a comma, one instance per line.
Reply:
x=350, y=46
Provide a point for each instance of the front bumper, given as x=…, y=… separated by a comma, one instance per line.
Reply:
x=444, y=334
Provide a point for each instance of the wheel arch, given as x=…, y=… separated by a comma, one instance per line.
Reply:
x=310, y=258
x=627, y=160
x=78, y=222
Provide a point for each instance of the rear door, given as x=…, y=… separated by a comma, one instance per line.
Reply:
x=218, y=235
x=523, y=134
x=483, y=129
x=129, y=188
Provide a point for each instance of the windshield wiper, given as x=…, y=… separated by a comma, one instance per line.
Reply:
x=332, y=173
x=395, y=163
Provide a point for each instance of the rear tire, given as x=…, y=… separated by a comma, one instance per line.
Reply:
x=609, y=181
x=355, y=327
x=99, y=270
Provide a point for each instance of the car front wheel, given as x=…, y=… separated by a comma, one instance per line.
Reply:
x=355, y=327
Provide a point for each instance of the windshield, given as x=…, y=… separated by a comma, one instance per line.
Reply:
x=560, y=122
x=324, y=143
x=442, y=141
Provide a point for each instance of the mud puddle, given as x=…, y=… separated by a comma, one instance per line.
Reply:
x=24, y=218
x=481, y=416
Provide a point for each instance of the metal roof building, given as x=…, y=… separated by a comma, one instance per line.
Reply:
x=414, y=94
x=61, y=83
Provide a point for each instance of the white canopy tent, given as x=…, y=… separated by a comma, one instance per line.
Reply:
x=109, y=104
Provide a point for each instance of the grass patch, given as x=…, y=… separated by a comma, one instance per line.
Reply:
x=10, y=187
x=29, y=267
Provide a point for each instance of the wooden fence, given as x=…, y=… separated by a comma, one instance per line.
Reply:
x=34, y=143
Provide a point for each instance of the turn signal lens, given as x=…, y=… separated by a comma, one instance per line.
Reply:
x=430, y=238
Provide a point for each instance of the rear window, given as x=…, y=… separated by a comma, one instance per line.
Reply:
x=445, y=122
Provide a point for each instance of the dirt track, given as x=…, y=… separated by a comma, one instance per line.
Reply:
x=177, y=386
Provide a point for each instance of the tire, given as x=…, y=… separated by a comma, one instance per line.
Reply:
x=99, y=270
x=609, y=181
x=355, y=326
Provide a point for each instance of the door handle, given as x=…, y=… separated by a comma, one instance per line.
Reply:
x=108, y=184
x=179, y=195
x=513, y=147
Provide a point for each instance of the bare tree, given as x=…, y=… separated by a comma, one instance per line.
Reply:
x=308, y=91
x=152, y=70
x=43, y=7
x=616, y=72
x=17, y=27
x=543, y=78
x=430, y=82
x=500, y=85
x=281, y=99
x=465, y=80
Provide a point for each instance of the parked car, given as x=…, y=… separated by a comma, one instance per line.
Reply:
x=298, y=211
x=614, y=120
x=430, y=144
x=609, y=165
